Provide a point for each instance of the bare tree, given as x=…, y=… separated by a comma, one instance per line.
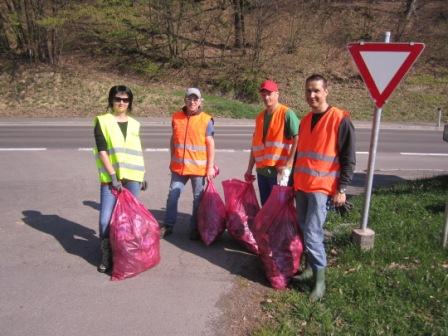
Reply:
x=32, y=28
x=264, y=13
x=169, y=16
x=405, y=18
x=238, y=23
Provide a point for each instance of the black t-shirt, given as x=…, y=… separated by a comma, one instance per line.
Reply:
x=100, y=140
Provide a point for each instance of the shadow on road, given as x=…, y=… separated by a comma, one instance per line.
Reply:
x=92, y=204
x=359, y=180
x=73, y=237
x=225, y=252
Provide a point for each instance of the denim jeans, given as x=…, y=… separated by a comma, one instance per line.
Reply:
x=311, y=213
x=177, y=185
x=265, y=185
x=107, y=204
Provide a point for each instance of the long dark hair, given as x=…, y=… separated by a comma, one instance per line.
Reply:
x=120, y=89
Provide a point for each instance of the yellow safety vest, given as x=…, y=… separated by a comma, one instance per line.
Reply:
x=126, y=156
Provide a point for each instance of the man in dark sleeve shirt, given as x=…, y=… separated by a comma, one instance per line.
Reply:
x=323, y=169
x=346, y=146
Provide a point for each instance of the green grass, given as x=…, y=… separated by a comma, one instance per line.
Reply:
x=75, y=91
x=226, y=108
x=229, y=108
x=398, y=288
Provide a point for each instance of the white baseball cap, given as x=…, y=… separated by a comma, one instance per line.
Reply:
x=193, y=91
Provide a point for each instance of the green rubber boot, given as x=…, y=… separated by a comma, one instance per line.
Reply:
x=106, y=256
x=319, y=285
x=305, y=275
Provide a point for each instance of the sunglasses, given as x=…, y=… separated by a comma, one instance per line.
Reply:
x=119, y=99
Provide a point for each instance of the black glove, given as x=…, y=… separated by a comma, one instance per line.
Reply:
x=144, y=185
x=115, y=183
x=344, y=209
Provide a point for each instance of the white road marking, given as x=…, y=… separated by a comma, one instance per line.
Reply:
x=156, y=150
x=23, y=149
x=425, y=154
x=217, y=150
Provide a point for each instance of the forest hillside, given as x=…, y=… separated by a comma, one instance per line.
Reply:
x=60, y=57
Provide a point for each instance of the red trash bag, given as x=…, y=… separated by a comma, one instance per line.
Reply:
x=134, y=236
x=277, y=233
x=242, y=207
x=211, y=215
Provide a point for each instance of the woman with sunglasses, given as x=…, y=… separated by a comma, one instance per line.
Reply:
x=119, y=159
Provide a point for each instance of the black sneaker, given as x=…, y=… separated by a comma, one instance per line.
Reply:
x=165, y=231
x=194, y=234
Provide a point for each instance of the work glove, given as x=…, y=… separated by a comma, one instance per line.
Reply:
x=344, y=209
x=116, y=184
x=283, y=177
x=143, y=185
x=248, y=177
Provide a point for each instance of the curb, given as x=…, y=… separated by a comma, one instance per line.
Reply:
x=225, y=122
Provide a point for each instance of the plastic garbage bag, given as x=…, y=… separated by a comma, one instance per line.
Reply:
x=211, y=215
x=134, y=237
x=242, y=207
x=277, y=233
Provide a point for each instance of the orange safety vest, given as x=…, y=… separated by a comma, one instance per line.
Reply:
x=275, y=149
x=189, y=156
x=317, y=165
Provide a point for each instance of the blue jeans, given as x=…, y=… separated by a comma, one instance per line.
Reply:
x=107, y=204
x=311, y=213
x=265, y=185
x=177, y=185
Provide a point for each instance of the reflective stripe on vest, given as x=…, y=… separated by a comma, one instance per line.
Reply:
x=125, y=155
x=317, y=167
x=189, y=155
x=317, y=173
x=318, y=156
x=191, y=147
x=276, y=148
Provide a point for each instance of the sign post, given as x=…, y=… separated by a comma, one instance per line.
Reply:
x=381, y=66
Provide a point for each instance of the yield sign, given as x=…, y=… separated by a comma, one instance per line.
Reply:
x=383, y=65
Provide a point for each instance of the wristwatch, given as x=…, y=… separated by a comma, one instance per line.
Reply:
x=342, y=190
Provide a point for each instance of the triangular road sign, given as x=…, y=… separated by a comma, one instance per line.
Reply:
x=383, y=65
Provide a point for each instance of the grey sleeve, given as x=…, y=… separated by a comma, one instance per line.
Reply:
x=347, y=152
x=210, y=129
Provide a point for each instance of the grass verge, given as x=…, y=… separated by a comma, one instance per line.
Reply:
x=398, y=288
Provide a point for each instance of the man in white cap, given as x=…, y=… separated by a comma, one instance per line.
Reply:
x=192, y=158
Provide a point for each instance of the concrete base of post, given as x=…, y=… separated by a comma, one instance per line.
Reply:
x=363, y=238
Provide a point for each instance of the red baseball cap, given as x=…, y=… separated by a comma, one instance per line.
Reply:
x=269, y=85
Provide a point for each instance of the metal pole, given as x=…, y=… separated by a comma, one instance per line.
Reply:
x=372, y=157
x=445, y=230
x=371, y=165
x=439, y=119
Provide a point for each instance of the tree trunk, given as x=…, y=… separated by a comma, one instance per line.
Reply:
x=24, y=36
x=406, y=19
x=238, y=22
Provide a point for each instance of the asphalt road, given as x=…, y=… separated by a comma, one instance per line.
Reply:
x=60, y=136
x=49, y=201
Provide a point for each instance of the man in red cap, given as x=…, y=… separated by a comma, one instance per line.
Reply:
x=274, y=142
